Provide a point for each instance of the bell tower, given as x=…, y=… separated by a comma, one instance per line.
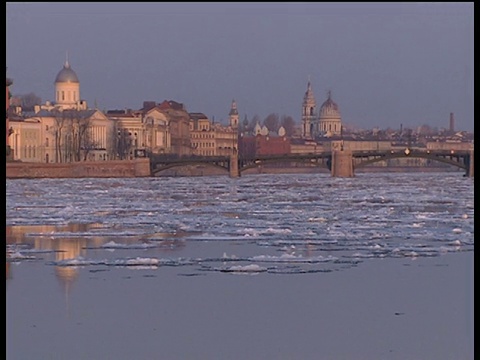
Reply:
x=233, y=115
x=308, y=111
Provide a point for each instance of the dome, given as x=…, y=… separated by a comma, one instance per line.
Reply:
x=329, y=108
x=66, y=75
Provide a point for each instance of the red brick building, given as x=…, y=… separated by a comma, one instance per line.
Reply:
x=250, y=145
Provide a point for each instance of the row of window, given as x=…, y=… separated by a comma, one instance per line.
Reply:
x=202, y=136
x=206, y=153
x=208, y=145
x=203, y=145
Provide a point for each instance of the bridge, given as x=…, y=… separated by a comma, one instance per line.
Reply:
x=340, y=163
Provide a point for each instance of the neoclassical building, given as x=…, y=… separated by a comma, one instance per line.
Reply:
x=328, y=121
x=64, y=130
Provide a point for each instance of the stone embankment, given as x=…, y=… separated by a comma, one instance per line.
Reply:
x=103, y=169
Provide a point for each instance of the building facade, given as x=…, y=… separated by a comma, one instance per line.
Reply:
x=213, y=139
x=179, y=126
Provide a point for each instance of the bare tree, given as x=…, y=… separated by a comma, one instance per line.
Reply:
x=58, y=134
x=83, y=141
x=124, y=143
x=253, y=121
x=88, y=142
x=73, y=136
x=272, y=122
x=28, y=101
x=288, y=124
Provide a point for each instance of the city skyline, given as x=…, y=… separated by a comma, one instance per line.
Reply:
x=386, y=64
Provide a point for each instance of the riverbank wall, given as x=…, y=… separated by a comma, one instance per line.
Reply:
x=139, y=167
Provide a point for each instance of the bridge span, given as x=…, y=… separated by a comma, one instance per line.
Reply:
x=340, y=163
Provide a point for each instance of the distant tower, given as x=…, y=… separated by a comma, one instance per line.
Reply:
x=233, y=115
x=67, y=87
x=245, y=123
x=308, y=111
x=452, y=123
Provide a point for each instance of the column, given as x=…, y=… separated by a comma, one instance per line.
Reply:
x=342, y=163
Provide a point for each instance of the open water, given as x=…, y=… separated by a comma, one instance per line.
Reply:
x=294, y=266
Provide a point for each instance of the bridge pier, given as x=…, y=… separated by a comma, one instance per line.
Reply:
x=470, y=165
x=342, y=163
x=233, y=165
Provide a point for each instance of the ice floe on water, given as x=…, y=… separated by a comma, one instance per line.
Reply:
x=290, y=258
x=114, y=246
x=17, y=256
x=250, y=269
x=282, y=224
x=19, y=252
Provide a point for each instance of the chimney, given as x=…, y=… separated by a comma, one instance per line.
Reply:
x=452, y=123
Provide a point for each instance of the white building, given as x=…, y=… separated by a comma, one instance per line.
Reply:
x=328, y=122
x=64, y=130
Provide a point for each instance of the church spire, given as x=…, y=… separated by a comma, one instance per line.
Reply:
x=233, y=114
x=67, y=64
x=233, y=109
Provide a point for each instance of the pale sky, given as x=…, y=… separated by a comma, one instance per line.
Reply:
x=386, y=64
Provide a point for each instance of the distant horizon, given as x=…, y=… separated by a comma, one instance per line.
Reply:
x=387, y=64
x=225, y=121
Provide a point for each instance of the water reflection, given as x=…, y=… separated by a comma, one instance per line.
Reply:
x=59, y=244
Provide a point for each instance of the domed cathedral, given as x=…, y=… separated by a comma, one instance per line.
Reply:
x=67, y=89
x=329, y=120
x=308, y=112
x=327, y=123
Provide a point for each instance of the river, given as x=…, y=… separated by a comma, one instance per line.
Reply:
x=292, y=266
